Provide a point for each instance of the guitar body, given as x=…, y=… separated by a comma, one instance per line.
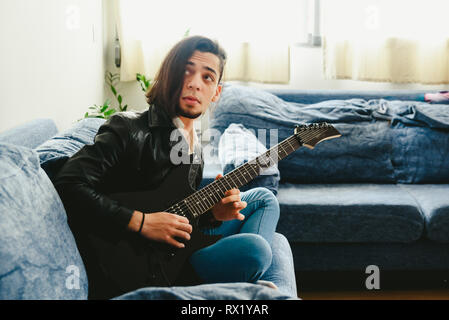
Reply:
x=131, y=261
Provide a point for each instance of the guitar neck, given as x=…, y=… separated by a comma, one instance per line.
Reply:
x=204, y=199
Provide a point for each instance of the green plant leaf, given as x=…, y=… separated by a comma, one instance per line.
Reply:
x=143, y=81
x=109, y=112
x=104, y=108
x=113, y=90
x=119, y=98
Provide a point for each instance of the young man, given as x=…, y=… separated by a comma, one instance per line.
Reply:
x=132, y=152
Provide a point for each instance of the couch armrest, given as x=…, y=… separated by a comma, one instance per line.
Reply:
x=30, y=134
x=282, y=271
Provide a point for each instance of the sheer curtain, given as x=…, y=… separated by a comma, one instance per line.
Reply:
x=384, y=40
x=256, y=34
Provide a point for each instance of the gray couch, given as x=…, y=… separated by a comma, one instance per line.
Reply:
x=39, y=258
x=379, y=195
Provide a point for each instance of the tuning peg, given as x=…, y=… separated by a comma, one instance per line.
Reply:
x=301, y=126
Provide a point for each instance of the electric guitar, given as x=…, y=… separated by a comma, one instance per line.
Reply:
x=175, y=195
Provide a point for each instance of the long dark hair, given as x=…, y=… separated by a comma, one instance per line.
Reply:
x=169, y=80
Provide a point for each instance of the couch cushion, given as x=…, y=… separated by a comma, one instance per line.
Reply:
x=39, y=258
x=420, y=154
x=348, y=213
x=55, y=152
x=433, y=199
x=361, y=154
x=239, y=145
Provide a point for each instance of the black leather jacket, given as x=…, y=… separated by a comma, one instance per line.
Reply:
x=131, y=152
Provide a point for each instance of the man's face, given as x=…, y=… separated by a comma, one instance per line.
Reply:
x=200, y=84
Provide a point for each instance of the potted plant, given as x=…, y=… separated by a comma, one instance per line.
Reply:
x=106, y=110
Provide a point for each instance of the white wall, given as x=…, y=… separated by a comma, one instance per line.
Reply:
x=51, y=60
x=131, y=91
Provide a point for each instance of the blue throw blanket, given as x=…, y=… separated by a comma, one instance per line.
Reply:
x=412, y=113
x=382, y=141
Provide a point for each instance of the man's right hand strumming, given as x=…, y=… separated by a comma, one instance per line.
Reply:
x=162, y=227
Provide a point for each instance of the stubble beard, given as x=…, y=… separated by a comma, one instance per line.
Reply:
x=183, y=113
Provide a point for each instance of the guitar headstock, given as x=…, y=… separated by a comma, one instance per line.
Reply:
x=312, y=134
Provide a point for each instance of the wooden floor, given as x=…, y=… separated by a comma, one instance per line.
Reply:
x=393, y=286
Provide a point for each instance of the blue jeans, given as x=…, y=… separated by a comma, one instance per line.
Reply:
x=244, y=252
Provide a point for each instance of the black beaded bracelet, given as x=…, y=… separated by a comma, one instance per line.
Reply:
x=141, y=224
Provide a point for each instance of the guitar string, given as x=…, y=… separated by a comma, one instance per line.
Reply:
x=183, y=205
x=196, y=195
x=270, y=154
x=245, y=168
x=211, y=188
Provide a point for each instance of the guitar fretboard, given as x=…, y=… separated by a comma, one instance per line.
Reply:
x=202, y=200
